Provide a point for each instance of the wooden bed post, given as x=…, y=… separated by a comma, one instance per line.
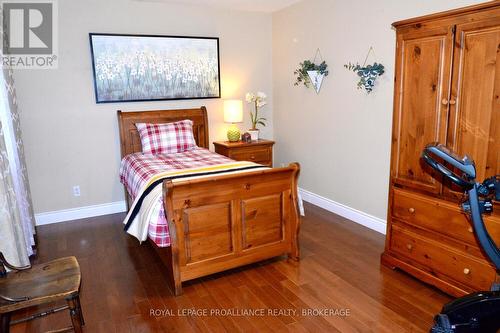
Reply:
x=295, y=218
x=172, y=258
x=123, y=153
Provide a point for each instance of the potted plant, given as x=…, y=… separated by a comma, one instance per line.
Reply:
x=368, y=74
x=258, y=100
x=311, y=74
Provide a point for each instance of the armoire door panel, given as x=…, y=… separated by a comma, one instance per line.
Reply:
x=421, y=103
x=474, y=118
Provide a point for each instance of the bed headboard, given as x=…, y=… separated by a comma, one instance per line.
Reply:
x=129, y=136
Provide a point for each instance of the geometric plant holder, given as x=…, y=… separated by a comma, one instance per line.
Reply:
x=367, y=74
x=311, y=73
x=316, y=79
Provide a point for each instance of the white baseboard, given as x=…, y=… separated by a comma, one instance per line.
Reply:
x=80, y=213
x=352, y=214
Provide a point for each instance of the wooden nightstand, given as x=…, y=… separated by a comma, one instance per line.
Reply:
x=260, y=151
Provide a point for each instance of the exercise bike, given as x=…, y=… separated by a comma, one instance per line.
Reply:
x=480, y=311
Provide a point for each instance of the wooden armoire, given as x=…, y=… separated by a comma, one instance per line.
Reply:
x=447, y=89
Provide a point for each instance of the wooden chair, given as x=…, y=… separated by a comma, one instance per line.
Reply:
x=41, y=284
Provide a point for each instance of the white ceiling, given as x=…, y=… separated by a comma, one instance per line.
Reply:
x=267, y=6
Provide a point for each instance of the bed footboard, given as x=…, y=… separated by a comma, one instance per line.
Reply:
x=229, y=221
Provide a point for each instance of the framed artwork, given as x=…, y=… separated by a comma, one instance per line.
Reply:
x=132, y=68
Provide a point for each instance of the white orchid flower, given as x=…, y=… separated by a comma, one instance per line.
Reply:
x=250, y=97
x=259, y=100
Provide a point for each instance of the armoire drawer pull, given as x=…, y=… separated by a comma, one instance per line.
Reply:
x=470, y=230
x=444, y=101
x=411, y=210
x=466, y=271
x=409, y=247
x=453, y=101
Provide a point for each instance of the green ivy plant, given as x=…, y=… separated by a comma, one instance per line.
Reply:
x=367, y=74
x=307, y=65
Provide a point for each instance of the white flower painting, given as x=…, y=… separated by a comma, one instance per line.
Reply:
x=143, y=68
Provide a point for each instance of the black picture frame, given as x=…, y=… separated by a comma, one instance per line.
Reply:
x=101, y=100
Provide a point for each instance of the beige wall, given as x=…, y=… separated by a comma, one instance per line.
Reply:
x=70, y=140
x=341, y=137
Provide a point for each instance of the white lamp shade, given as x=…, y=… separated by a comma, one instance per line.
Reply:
x=233, y=111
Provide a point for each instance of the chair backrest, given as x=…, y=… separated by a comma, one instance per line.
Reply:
x=3, y=271
x=5, y=264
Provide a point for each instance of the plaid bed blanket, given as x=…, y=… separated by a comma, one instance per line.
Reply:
x=143, y=175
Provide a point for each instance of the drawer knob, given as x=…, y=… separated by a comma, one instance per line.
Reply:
x=409, y=247
x=466, y=271
x=252, y=157
x=411, y=210
x=470, y=230
x=444, y=101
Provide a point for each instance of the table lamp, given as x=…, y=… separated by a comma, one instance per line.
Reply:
x=233, y=113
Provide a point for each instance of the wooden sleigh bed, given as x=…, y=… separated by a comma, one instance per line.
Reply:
x=224, y=221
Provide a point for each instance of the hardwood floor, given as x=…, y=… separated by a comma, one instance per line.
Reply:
x=123, y=288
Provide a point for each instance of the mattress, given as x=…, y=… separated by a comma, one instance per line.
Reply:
x=137, y=169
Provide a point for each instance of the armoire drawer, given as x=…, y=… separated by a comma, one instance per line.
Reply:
x=439, y=216
x=442, y=259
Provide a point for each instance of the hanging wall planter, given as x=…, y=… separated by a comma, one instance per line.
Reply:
x=311, y=74
x=368, y=74
x=316, y=78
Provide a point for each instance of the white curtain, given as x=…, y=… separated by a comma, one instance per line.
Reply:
x=17, y=223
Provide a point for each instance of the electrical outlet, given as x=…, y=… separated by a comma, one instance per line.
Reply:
x=76, y=190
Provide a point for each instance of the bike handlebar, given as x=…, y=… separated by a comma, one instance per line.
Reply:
x=465, y=165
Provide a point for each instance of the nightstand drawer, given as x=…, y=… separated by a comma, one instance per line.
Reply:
x=251, y=154
x=260, y=151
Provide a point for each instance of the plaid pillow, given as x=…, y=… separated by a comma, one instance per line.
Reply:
x=167, y=138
